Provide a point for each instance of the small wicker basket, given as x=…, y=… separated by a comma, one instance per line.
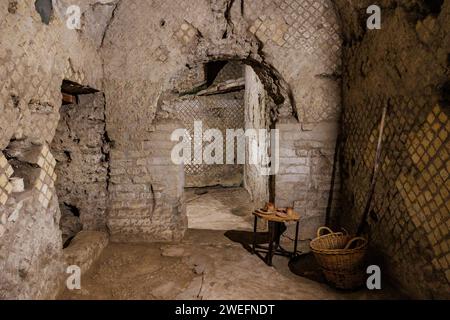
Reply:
x=334, y=252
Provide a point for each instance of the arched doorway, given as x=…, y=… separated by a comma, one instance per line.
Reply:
x=228, y=98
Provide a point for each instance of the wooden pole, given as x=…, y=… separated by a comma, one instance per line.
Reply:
x=375, y=171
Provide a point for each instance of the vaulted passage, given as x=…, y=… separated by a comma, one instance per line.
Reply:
x=175, y=149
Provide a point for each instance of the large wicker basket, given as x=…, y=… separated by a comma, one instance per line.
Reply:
x=334, y=252
x=346, y=280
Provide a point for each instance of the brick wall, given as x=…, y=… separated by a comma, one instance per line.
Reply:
x=305, y=180
x=146, y=189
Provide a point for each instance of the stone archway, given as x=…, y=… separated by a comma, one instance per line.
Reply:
x=297, y=68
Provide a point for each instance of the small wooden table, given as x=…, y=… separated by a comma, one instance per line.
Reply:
x=275, y=224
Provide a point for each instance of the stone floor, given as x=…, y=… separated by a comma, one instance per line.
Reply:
x=219, y=209
x=205, y=265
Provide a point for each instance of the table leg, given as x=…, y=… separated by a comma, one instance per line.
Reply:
x=255, y=229
x=296, y=238
x=272, y=239
x=277, y=237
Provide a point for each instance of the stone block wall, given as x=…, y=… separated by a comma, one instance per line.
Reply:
x=307, y=167
x=405, y=68
x=146, y=189
x=81, y=149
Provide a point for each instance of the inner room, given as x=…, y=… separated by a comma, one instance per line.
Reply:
x=229, y=97
x=224, y=150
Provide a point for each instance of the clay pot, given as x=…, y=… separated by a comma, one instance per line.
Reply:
x=269, y=207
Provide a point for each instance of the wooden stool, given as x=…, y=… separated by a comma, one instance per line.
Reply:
x=275, y=224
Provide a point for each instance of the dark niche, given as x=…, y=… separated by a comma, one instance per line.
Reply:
x=45, y=10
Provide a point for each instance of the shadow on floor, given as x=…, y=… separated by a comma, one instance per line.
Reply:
x=304, y=265
x=245, y=238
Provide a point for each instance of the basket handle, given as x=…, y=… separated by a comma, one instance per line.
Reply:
x=349, y=244
x=319, y=231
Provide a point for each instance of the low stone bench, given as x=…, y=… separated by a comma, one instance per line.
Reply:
x=85, y=249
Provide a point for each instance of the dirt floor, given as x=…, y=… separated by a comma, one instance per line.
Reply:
x=206, y=265
x=219, y=209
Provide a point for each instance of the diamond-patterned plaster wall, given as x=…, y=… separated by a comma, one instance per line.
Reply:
x=34, y=60
x=220, y=112
x=143, y=52
x=303, y=40
x=6, y=172
x=409, y=222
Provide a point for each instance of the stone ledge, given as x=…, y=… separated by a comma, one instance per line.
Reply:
x=85, y=249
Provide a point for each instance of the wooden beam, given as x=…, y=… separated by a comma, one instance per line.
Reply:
x=68, y=99
x=74, y=88
x=224, y=87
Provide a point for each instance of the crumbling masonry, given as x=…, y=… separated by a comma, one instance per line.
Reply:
x=103, y=161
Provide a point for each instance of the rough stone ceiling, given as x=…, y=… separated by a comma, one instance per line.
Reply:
x=223, y=35
x=99, y=13
x=229, y=32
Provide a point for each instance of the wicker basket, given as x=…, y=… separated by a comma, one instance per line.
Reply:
x=333, y=251
x=346, y=280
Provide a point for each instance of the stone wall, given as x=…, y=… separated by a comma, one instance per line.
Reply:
x=146, y=189
x=35, y=56
x=140, y=46
x=257, y=116
x=293, y=46
x=218, y=111
x=308, y=179
x=134, y=49
x=404, y=67
x=81, y=150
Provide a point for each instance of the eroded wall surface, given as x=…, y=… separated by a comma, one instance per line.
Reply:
x=81, y=150
x=404, y=67
x=35, y=57
x=257, y=117
x=293, y=46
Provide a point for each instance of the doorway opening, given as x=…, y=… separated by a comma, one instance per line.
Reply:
x=232, y=98
x=81, y=153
